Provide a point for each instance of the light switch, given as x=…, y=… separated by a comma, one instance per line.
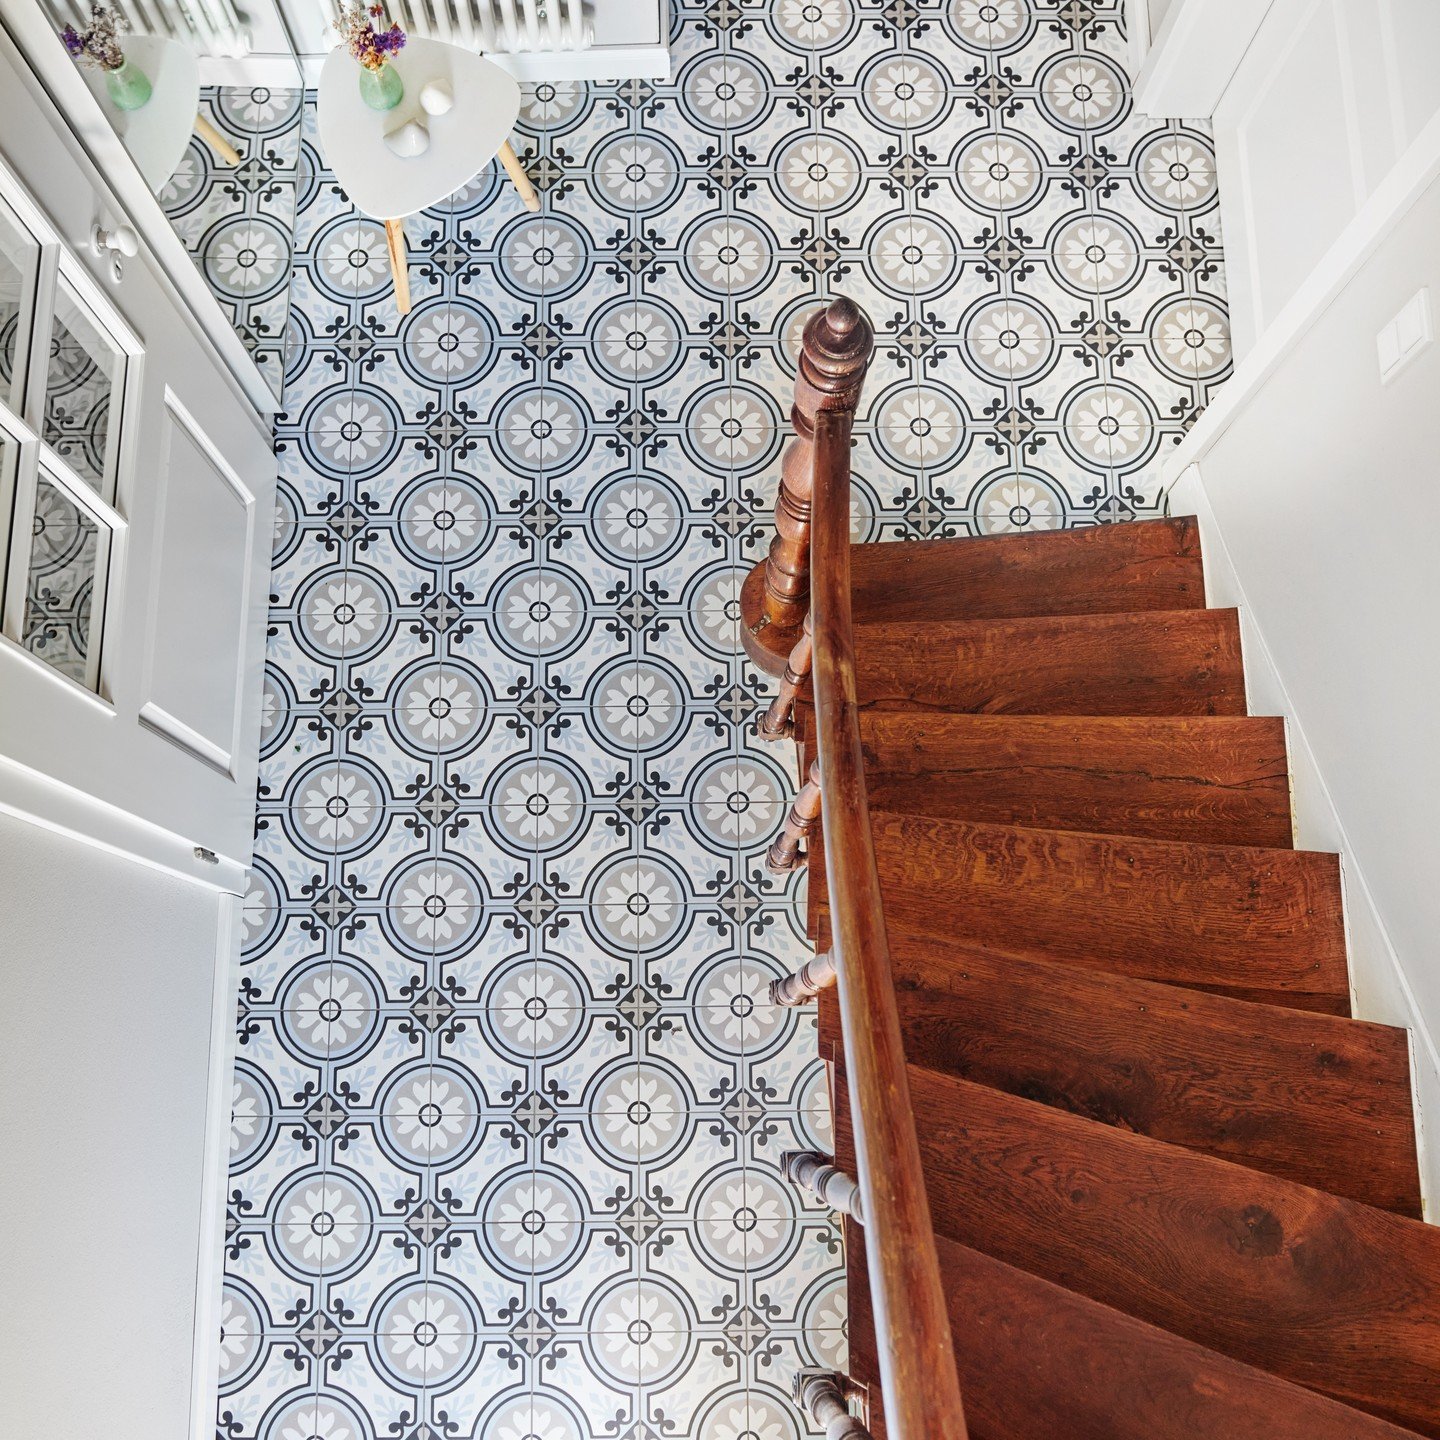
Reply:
x=1405, y=337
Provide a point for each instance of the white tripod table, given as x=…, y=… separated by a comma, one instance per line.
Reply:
x=157, y=134
x=462, y=141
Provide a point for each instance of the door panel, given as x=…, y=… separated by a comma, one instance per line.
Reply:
x=182, y=477
x=196, y=648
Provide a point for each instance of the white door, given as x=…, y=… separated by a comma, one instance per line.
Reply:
x=136, y=491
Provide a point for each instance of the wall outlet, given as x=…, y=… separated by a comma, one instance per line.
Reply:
x=1405, y=337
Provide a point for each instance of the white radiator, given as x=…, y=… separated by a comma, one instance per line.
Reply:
x=535, y=40
x=209, y=27
x=507, y=27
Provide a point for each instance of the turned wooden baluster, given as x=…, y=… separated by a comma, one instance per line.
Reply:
x=824, y=1395
x=778, y=721
x=806, y=982
x=785, y=854
x=834, y=352
x=814, y=1171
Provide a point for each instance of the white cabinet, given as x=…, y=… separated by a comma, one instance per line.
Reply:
x=138, y=486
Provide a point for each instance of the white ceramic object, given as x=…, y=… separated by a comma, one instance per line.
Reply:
x=408, y=140
x=436, y=97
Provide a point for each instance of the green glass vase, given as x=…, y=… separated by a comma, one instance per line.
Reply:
x=128, y=86
x=381, y=89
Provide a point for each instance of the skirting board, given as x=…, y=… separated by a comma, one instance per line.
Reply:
x=214, y=1184
x=1379, y=989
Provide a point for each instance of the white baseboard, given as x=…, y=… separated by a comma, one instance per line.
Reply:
x=1378, y=985
x=214, y=1186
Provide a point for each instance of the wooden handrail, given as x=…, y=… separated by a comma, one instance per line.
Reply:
x=919, y=1382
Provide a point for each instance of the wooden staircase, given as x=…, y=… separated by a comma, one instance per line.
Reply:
x=1170, y=1185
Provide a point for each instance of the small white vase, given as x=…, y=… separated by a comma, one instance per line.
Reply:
x=436, y=97
x=408, y=140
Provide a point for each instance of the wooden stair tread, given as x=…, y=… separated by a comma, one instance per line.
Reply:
x=1038, y=1362
x=1312, y=1098
x=1145, y=565
x=1260, y=924
x=1325, y=1292
x=1172, y=662
x=1215, y=779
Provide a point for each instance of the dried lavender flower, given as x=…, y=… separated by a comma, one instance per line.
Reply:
x=368, y=44
x=99, y=43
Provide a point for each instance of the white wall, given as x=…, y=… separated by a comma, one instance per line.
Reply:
x=106, y=975
x=1327, y=98
x=1312, y=102
x=1317, y=488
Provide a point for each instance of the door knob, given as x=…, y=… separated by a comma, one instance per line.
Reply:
x=117, y=243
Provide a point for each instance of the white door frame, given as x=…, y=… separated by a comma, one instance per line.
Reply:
x=28, y=34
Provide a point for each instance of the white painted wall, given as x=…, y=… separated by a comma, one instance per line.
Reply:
x=106, y=1036
x=1312, y=102
x=1317, y=489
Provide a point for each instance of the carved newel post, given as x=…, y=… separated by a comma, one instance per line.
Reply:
x=834, y=352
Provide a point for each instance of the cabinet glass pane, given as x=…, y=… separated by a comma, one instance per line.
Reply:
x=17, y=271
x=64, y=557
x=81, y=391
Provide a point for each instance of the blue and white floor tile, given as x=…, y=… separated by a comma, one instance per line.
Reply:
x=238, y=222
x=510, y=1095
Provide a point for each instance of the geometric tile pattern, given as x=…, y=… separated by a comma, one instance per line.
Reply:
x=509, y=1093
x=238, y=221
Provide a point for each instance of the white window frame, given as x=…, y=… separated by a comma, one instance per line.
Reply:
x=53, y=267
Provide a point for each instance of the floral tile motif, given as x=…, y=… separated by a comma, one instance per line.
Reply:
x=238, y=221
x=510, y=1096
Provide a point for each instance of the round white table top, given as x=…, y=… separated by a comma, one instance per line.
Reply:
x=157, y=133
x=462, y=141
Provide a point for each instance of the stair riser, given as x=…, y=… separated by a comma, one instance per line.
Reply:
x=1172, y=663
x=1038, y=1363
x=1152, y=565
x=1211, y=780
x=1340, y=1297
x=1253, y=923
x=1314, y=1099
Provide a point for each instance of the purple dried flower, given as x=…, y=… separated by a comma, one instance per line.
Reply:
x=99, y=43
x=371, y=47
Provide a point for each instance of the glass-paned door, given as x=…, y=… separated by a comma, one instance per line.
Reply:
x=62, y=397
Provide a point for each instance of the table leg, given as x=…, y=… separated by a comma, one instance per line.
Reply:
x=516, y=171
x=216, y=141
x=399, y=265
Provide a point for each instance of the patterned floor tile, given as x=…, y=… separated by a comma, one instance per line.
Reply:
x=510, y=1095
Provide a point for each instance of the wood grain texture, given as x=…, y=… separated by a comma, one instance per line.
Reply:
x=1257, y=924
x=1214, y=779
x=1312, y=1098
x=922, y=1390
x=1172, y=662
x=1149, y=565
x=1039, y=1363
x=1325, y=1292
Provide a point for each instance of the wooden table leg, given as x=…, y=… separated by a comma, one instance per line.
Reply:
x=399, y=266
x=216, y=141
x=511, y=161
